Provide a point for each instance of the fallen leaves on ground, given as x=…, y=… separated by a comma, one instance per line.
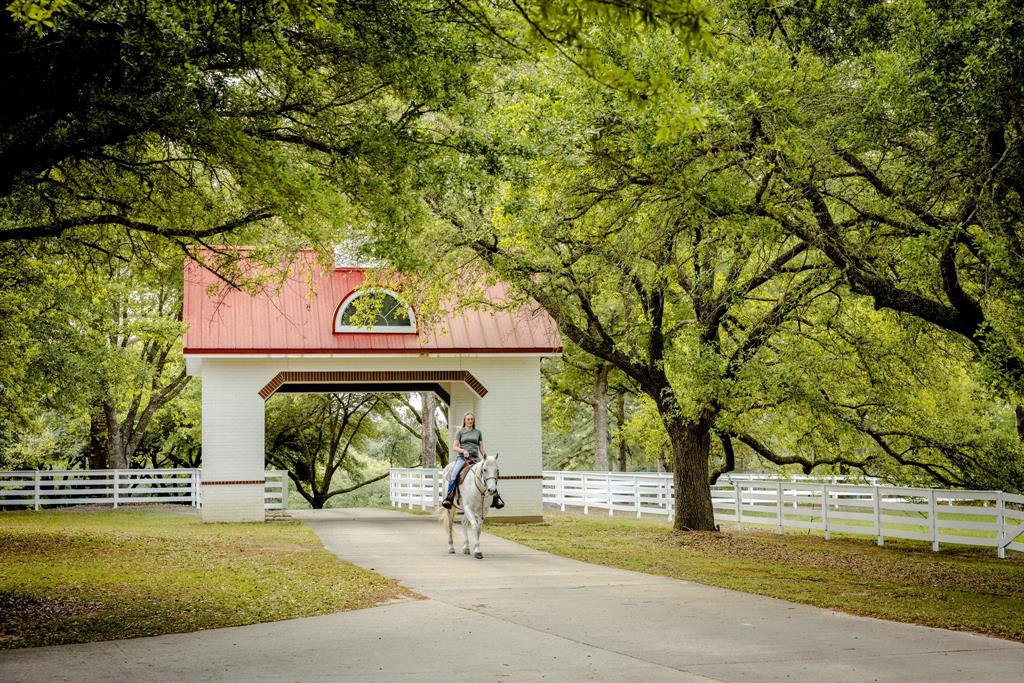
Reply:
x=68, y=577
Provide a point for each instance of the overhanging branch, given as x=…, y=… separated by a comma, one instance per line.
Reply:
x=57, y=228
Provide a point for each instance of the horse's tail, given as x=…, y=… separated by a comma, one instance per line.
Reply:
x=446, y=520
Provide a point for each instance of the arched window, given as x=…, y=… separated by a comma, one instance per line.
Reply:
x=374, y=310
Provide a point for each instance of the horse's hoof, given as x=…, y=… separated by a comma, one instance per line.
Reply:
x=465, y=551
x=451, y=551
x=478, y=555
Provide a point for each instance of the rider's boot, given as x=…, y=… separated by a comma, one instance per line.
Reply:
x=447, y=502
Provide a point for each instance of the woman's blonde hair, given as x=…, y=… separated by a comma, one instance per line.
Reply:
x=468, y=413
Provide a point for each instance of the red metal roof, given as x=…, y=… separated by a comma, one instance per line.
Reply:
x=299, y=318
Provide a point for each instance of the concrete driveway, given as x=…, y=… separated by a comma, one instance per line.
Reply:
x=524, y=615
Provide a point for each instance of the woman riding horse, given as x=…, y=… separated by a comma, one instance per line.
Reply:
x=469, y=444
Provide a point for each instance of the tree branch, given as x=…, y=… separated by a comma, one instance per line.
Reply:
x=57, y=228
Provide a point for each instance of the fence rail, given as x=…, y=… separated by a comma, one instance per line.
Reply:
x=818, y=478
x=993, y=519
x=275, y=493
x=48, y=488
x=415, y=488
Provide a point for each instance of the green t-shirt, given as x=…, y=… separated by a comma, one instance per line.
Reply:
x=470, y=439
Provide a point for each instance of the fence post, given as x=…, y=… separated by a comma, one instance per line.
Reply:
x=780, y=508
x=933, y=516
x=739, y=503
x=636, y=494
x=668, y=499
x=35, y=490
x=611, y=498
x=878, y=514
x=824, y=511
x=284, y=489
x=116, y=482
x=560, y=480
x=586, y=496
x=1000, y=526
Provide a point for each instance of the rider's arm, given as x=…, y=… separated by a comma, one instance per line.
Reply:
x=458, y=446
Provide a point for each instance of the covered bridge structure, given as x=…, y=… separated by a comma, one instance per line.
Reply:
x=300, y=336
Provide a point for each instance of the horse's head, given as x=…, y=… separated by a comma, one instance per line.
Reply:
x=490, y=472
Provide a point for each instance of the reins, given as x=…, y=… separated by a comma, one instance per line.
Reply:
x=479, y=480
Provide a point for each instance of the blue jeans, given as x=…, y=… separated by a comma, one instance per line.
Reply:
x=459, y=463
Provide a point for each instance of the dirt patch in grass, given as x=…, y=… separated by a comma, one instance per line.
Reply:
x=69, y=576
x=964, y=589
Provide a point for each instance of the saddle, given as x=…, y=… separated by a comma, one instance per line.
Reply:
x=465, y=470
x=497, y=502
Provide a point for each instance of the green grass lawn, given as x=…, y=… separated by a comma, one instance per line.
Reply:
x=964, y=589
x=77, y=576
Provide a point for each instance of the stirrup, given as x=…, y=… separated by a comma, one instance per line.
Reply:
x=497, y=503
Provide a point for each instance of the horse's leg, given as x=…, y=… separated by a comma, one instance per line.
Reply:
x=477, y=528
x=474, y=523
x=467, y=518
x=448, y=527
x=447, y=520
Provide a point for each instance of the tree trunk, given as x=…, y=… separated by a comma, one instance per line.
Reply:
x=601, y=419
x=620, y=418
x=1019, y=412
x=117, y=458
x=429, y=435
x=691, y=448
x=98, y=446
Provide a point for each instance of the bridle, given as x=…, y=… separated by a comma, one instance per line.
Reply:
x=481, y=481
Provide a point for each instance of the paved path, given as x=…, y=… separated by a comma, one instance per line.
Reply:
x=523, y=615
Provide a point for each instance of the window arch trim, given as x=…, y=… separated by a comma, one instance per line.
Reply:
x=339, y=328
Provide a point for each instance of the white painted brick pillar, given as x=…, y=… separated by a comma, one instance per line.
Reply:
x=510, y=419
x=233, y=447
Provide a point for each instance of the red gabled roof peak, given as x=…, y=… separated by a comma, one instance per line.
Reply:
x=297, y=316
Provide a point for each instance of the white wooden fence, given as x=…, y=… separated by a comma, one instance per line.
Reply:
x=817, y=478
x=42, y=488
x=275, y=493
x=415, y=488
x=978, y=518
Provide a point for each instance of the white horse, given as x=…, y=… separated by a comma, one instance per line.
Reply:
x=477, y=491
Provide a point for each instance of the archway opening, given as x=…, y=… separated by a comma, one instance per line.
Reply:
x=338, y=440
